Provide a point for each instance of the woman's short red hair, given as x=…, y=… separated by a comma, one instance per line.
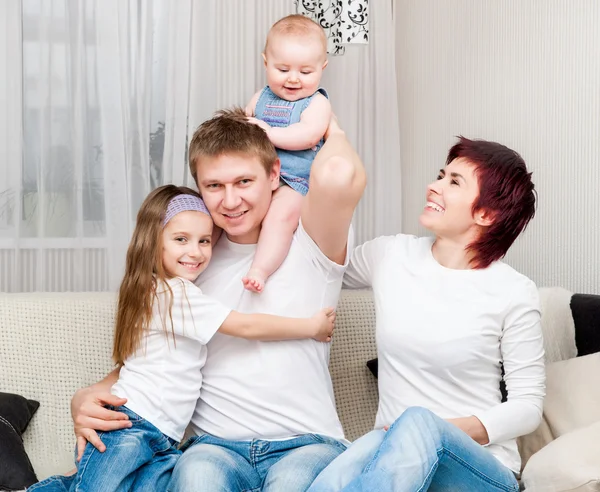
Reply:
x=506, y=193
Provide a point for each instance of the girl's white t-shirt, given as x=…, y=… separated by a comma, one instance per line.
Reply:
x=162, y=380
x=443, y=335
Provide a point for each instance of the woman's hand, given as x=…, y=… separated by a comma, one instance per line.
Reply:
x=473, y=427
x=324, y=321
x=89, y=414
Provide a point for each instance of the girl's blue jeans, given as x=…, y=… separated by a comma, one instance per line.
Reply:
x=138, y=458
x=419, y=452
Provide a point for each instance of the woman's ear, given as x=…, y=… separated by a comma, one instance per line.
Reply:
x=484, y=218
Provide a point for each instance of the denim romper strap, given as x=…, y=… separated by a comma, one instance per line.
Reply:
x=279, y=112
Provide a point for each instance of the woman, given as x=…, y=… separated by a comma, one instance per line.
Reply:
x=451, y=318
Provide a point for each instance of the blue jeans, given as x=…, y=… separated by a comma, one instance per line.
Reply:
x=138, y=458
x=211, y=464
x=419, y=452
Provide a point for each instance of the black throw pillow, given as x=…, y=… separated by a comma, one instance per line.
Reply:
x=16, y=472
x=586, y=314
x=373, y=366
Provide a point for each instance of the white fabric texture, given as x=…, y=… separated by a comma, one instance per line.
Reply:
x=442, y=335
x=270, y=390
x=569, y=463
x=98, y=108
x=559, y=337
x=162, y=380
x=573, y=399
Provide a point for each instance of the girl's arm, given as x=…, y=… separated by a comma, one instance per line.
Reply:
x=270, y=327
x=307, y=132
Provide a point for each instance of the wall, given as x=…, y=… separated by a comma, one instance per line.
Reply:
x=526, y=74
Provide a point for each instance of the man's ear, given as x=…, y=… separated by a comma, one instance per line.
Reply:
x=264, y=59
x=274, y=175
x=484, y=218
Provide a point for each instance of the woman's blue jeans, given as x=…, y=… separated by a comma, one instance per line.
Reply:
x=419, y=452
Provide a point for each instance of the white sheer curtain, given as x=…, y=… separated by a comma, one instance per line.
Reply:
x=86, y=81
x=98, y=102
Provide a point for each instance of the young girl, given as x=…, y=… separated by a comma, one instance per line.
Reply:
x=163, y=324
x=295, y=113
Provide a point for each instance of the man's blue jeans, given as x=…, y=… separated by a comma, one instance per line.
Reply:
x=419, y=452
x=138, y=458
x=211, y=464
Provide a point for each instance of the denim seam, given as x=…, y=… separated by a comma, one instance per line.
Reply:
x=329, y=441
x=431, y=471
x=475, y=471
x=252, y=454
x=83, y=466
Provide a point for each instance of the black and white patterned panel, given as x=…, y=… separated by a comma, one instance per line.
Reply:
x=344, y=21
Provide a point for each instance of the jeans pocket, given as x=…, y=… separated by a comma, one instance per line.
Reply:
x=134, y=418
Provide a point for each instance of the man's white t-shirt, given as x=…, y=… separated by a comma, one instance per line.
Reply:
x=442, y=335
x=162, y=380
x=269, y=390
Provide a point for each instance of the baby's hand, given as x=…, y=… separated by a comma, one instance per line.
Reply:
x=324, y=321
x=265, y=126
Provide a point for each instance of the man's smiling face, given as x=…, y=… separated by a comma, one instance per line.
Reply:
x=237, y=191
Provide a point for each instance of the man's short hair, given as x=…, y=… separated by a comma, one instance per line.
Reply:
x=230, y=132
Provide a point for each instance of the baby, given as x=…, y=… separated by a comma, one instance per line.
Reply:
x=295, y=113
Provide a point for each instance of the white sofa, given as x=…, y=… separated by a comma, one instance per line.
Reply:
x=52, y=344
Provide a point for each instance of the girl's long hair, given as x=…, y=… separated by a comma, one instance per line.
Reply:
x=143, y=272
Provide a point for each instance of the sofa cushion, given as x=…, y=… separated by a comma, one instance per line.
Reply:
x=572, y=394
x=16, y=471
x=567, y=463
x=586, y=313
x=572, y=402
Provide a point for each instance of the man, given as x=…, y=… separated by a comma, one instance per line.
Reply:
x=266, y=417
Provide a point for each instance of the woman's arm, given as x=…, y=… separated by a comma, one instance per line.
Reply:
x=269, y=327
x=522, y=351
x=364, y=261
x=473, y=427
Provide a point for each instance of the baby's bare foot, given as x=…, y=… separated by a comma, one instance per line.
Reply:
x=254, y=281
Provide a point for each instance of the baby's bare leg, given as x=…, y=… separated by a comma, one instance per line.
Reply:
x=275, y=237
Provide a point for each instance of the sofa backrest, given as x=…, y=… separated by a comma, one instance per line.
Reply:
x=53, y=344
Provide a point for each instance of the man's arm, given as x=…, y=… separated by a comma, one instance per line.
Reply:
x=89, y=412
x=337, y=182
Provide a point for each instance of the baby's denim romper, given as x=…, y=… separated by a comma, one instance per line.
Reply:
x=295, y=164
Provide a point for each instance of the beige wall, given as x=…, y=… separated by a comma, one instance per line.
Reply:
x=525, y=73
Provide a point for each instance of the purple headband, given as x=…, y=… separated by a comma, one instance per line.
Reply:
x=183, y=203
